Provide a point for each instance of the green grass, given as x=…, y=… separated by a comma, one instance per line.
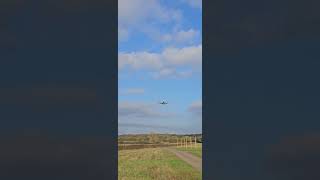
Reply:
x=153, y=163
x=195, y=151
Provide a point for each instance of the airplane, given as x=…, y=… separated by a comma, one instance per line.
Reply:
x=163, y=102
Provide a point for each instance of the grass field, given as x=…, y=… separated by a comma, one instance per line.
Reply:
x=153, y=163
x=141, y=146
x=195, y=151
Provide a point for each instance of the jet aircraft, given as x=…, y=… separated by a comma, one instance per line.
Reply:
x=163, y=102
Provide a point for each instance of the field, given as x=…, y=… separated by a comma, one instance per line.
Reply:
x=195, y=151
x=153, y=163
x=141, y=146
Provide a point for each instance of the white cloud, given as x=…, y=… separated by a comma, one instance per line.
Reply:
x=141, y=125
x=164, y=63
x=187, y=36
x=139, y=117
x=179, y=37
x=172, y=73
x=140, y=60
x=191, y=55
x=134, y=110
x=123, y=34
x=133, y=12
x=143, y=128
x=130, y=91
x=196, y=108
x=193, y=3
x=149, y=17
x=145, y=14
x=127, y=109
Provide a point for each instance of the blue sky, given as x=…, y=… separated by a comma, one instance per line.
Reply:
x=160, y=58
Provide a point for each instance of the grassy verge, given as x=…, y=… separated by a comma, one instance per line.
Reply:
x=153, y=163
x=195, y=151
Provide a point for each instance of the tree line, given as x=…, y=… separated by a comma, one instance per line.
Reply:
x=154, y=138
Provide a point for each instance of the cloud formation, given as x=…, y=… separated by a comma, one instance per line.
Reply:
x=123, y=34
x=140, y=15
x=163, y=25
x=188, y=36
x=172, y=73
x=193, y=3
x=175, y=37
x=196, y=108
x=134, y=110
x=164, y=63
x=135, y=12
x=139, y=128
x=141, y=125
x=131, y=91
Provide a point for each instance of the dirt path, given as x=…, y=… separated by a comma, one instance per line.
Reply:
x=194, y=161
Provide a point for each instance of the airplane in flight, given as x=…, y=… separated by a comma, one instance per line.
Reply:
x=163, y=102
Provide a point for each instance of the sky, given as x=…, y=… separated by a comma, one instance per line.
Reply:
x=159, y=58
